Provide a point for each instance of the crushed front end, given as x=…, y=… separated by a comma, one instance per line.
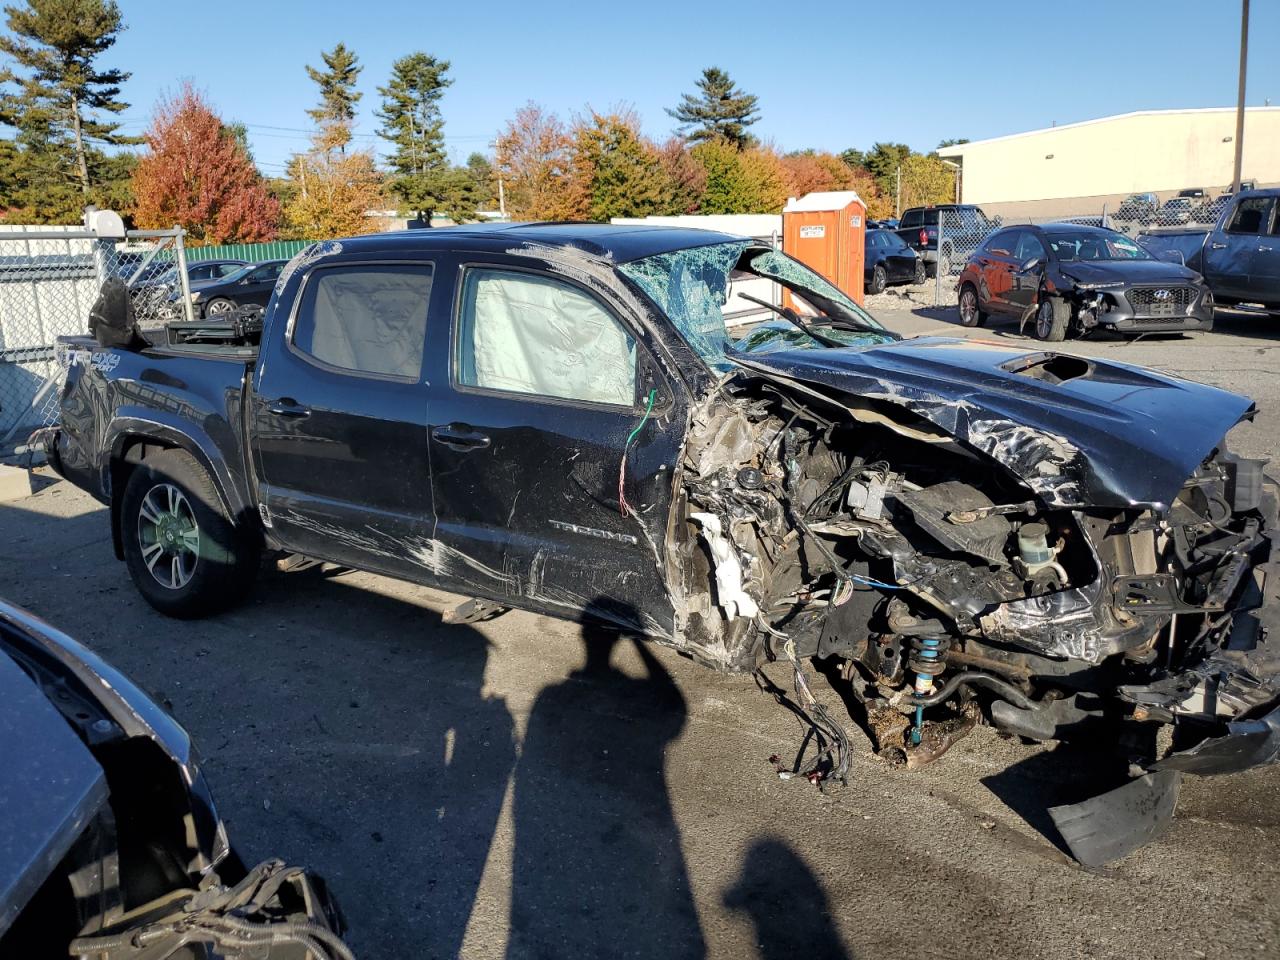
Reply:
x=960, y=575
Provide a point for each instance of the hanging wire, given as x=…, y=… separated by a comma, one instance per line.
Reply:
x=623, y=506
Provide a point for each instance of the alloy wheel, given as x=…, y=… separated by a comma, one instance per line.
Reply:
x=168, y=536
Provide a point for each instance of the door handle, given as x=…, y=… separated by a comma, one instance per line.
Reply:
x=1217, y=246
x=288, y=407
x=459, y=436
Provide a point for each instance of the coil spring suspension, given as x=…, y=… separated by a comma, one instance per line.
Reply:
x=927, y=661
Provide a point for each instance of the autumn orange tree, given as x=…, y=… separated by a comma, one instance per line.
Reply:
x=197, y=175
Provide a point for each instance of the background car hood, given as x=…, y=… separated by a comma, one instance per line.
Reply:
x=1126, y=271
x=1109, y=434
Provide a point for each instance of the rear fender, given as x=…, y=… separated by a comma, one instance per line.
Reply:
x=131, y=437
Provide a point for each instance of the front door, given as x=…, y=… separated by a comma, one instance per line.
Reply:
x=340, y=419
x=551, y=442
x=1230, y=249
x=1024, y=283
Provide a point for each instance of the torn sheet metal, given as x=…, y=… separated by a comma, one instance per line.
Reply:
x=1114, y=824
x=1102, y=440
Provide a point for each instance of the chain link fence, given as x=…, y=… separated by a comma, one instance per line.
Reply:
x=49, y=279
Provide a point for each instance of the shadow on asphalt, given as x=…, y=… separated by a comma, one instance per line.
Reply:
x=786, y=905
x=598, y=862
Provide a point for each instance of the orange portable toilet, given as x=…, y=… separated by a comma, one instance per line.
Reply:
x=827, y=231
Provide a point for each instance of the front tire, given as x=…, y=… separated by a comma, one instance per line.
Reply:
x=185, y=555
x=879, y=280
x=971, y=312
x=218, y=307
x=1052, y=317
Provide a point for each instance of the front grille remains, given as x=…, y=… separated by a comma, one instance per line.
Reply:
x=1161, y=301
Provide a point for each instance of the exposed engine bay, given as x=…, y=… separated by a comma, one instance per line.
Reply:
x=950, y=594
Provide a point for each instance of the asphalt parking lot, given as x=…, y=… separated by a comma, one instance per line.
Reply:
x=523, y=787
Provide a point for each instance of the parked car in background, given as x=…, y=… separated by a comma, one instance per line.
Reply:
x=1174, y=213
x=888, y=260
x=251, y=284
x=966, y=226
x=1136, y=206
x=1210, y=210
x=1193, y=193
x=1072, y=278
x=890, y=223
x=98, y=785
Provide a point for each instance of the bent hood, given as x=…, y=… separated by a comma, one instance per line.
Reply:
x=1126, y=271
x=1077, y=431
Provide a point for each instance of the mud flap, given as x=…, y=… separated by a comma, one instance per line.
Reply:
x=1114, y=824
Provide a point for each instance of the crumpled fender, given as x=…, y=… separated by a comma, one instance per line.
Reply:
x=1106, y=435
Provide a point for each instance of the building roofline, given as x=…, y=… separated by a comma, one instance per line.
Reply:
x=958, y=150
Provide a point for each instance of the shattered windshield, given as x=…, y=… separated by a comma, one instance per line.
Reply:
x=694, y=286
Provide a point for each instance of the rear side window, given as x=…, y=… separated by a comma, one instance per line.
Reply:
x=911, y=218
x=1002, y=243
x=1251, y=216
x=369, y=319
x=524, y=333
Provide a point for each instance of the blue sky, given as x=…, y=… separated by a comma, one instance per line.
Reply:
x=828, y=75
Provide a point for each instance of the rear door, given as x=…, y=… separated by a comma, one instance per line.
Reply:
x=340, y=417
x=997, y=265
x=546, y=418
x=1231, y=248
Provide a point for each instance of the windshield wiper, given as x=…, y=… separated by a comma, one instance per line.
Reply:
x=842, y=323
x=793, y=318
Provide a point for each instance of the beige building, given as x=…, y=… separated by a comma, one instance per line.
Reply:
x=1079, y=167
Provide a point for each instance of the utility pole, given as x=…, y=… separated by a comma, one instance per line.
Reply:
x=1244, y=57
x=897, y=203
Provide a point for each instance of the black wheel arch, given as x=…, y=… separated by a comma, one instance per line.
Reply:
x=133, y=448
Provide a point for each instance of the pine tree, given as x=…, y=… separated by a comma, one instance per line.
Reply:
x=57, y=101
x=720, y=110
x=616, y=172
x=338, y=95
x=423, y=179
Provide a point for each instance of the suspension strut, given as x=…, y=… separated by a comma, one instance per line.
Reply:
x=927, y=660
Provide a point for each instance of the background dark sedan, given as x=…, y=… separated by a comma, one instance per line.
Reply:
x=889, y=260
x=1072, y=278
x=249, y=285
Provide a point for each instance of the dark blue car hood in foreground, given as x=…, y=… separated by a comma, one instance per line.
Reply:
x=1108, y=434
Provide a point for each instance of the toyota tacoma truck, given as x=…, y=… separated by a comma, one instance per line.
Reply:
x=554, y=417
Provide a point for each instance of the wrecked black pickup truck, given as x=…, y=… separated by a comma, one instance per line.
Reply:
x=553, y=417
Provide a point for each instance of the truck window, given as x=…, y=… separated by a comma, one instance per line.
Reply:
x=1250, y=216
x=368, y=319
x=522, y=333
x=911, y=218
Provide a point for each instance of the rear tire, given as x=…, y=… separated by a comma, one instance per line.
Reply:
x=921, y=274
x=879, y=280
x=219, y=306
x=185, y=555
x=1052, y=317
x=970, y=307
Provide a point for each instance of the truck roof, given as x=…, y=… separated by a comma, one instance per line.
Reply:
x=618, y=243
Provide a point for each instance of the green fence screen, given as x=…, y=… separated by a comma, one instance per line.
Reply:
x=253, y=252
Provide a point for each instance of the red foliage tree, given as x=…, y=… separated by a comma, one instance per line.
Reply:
x=197, y=174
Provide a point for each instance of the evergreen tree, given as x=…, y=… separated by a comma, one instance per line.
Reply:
x=718, y=111
x=617, y=173
x=60, y=101
x=338, y=95
x=411, y=122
